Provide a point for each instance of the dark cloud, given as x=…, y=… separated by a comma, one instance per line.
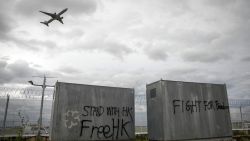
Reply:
x=236, y=7
x=207, y=35
x=219, y=3
x=24, y=44
x=194, y=36
x=246, y=59
x=4, y=58
x=116, y=49
x=40, y=43
x=196, y=74
x=18, y=72
x=75, y=33
x=239, y=85
x=112, y=47
x=181, y=71
x=3, y=64
x=205, y=56
x=5, y=27
x=156, y=54
x=33, y=44
x=4, y=24
x=31, y=7
x=68, y=70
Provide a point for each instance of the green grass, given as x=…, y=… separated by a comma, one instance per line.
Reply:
x=142, y=137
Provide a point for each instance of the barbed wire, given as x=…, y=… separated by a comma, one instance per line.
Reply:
x=239, y=102
x=29, y=93
x=140, y=99
x=25, y=93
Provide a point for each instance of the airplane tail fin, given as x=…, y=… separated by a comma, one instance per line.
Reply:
x=45, y=23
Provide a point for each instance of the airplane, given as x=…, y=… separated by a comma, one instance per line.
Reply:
x=54, y=16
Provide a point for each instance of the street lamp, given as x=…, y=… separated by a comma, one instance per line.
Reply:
x=31, y=82
x=41, y=108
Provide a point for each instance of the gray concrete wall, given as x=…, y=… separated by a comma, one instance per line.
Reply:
x=189, y=111
x=155, y=112
x=86, y=112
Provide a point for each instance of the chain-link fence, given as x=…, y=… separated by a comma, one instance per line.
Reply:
x=24, y=107
x=240, y=117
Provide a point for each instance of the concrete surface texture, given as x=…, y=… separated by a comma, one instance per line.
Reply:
x=188, y=111
x=87, y=112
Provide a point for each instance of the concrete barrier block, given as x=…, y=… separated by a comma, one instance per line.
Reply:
x=88, y=112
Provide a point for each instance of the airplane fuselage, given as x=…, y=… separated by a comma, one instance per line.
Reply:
x=57, y=17
x=54, y=16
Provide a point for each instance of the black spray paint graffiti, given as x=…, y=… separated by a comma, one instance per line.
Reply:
x=198, y=106
x=93, y=111
x=117, y=127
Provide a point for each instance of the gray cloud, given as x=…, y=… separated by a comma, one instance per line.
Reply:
x=237, y=37
x=33, y=44
x=5, y=27
x=68, y=70
x=204, y=56
x=4, y=24
x=39, y=43
x=194, y=36
x=197, y=74
x=219, y=3
x=157, y=54
x=181, y=71
x=237, y=7
x=116, y=49
x=31, y=7
x=4, y=58
x=75, y=33
x=112, y=47
x=207, y=35
x=246, y=59
x=239, y=85
x=16, y=72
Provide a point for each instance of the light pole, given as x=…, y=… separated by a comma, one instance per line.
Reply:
x=41, y=108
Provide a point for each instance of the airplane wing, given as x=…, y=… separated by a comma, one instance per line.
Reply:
x=60, y=21
x=49, y=21
x=64, y=10
x=49, y=14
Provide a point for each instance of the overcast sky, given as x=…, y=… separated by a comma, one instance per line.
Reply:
x=127, y=43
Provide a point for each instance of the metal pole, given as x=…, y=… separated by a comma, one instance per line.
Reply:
x=6, y=111
x=241, y=118
x=41, y=108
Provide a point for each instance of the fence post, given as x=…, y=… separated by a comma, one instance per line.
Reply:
x=6, y=111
